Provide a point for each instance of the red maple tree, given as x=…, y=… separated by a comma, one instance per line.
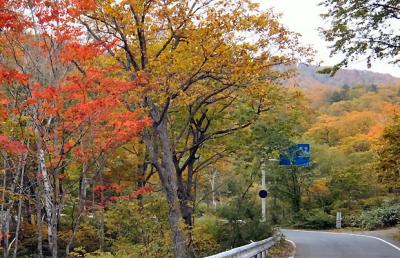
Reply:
x=70, y=105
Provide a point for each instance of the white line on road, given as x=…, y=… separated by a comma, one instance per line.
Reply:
x=351, y=234
x=294, y=246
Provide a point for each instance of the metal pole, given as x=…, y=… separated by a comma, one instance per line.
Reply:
x=263, y=200
x=264, y=187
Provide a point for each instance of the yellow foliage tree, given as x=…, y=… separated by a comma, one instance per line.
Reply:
x=202, y=57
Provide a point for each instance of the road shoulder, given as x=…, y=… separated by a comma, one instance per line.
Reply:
x=284, y=249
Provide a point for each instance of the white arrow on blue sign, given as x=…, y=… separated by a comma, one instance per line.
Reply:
x=297, y=155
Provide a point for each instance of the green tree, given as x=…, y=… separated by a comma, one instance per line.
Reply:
x=372, y=88
x=341, y=95
x=363, y=27
x=389, y=156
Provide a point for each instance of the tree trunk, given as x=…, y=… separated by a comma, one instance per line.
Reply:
x=212, y=182
x=156, y=136
x=39, y=219
x=142, y=167
x=10, y=203
x=184, y=196
x=82, y=190
x=18, y=228
x=81, y=207
x=3, y=201
x=6, y=232
x=102, y=164
x=296, y=197
x=168, y=180
x=49, y=204
x=185, y=189
x=22, y=167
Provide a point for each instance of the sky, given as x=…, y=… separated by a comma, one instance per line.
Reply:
x=302, y=16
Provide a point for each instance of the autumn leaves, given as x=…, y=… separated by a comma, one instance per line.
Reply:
x=81, y=78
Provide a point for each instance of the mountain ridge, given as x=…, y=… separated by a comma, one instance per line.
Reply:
x=308, y=77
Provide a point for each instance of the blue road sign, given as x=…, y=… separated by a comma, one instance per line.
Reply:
x=297, y=155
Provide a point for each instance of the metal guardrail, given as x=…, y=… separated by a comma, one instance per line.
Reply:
x=253, y=250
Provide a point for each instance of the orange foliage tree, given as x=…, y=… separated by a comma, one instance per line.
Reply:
x=67, y=105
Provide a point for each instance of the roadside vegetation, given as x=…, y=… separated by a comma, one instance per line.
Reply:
x=354, y=144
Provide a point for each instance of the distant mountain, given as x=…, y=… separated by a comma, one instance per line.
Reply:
x=307, y=77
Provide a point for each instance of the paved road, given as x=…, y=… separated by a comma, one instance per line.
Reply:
x=310, y=244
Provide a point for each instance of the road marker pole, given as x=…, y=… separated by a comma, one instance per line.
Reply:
x=338, y=219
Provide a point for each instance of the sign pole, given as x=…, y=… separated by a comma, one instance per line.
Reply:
x=263, y=200
x=263, y=193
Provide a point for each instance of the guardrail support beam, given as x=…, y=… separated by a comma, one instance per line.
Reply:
x=253, y=250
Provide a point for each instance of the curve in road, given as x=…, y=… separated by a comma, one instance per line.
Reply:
x=317, y=244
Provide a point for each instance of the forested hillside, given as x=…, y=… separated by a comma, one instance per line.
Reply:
x=353, y=168
x=309, y=76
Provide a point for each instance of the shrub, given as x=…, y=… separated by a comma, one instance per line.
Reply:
x=144, y=234
x=205, y=236
x=240, y=224
x=316, y=219
x=352, y=220
x=386, y=216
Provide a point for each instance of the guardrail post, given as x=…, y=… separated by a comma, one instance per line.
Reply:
x=264, y=254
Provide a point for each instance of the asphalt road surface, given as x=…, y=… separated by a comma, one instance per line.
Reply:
x=312, y=244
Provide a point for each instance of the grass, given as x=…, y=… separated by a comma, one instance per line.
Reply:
x=283, y=249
